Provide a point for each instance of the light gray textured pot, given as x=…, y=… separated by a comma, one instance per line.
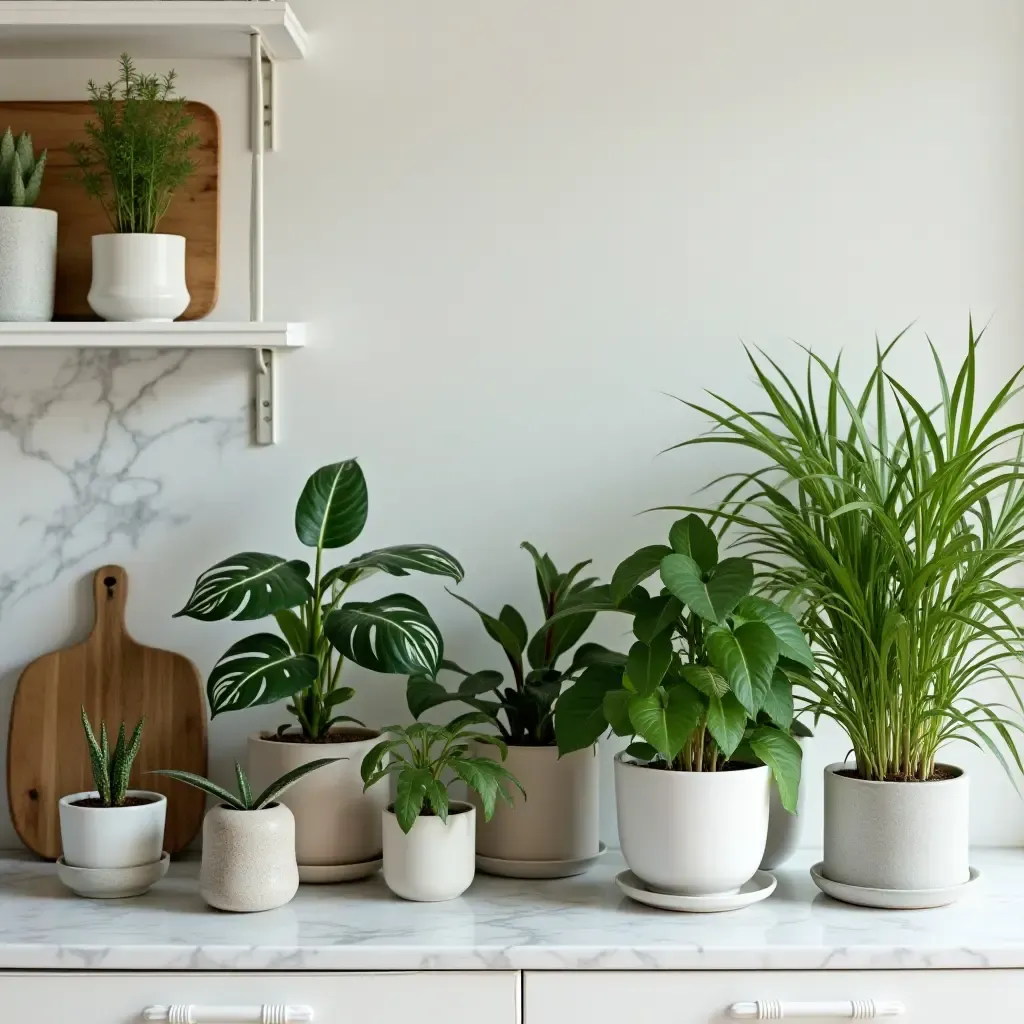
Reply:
x=896, y=835
x=28, y=263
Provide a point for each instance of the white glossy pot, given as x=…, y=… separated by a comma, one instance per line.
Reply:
x=138, y=277
x=436, y=860
x=558, y=820
x=692, y=833
x=335, y=821
x=112, y=837
x=785, y=830
x=896, y=835
x=28, y=263
x=248, y=858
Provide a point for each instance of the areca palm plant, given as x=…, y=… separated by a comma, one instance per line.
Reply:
x=320, y=630
x=891, y=520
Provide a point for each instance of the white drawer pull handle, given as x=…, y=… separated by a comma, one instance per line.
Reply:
x=186, y=1013
x=855, y=1009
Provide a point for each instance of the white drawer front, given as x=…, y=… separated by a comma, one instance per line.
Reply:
x=110, y=998
x=715, y=997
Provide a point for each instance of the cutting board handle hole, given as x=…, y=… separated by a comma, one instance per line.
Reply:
x=110, y=582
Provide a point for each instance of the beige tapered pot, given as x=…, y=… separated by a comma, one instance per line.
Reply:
x=337, y=825
x=557, y=821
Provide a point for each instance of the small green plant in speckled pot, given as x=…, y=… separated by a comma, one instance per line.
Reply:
x=21, y=174
x=110, y=770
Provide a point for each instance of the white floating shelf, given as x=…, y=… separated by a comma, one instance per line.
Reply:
x=148, y=28
x=197, y=334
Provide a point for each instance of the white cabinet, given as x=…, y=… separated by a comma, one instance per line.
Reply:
x=706, y=997
x=393, y=998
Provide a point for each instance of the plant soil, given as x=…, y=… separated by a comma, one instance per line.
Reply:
x=129, y=801
x=942, y=773
x=334, y=736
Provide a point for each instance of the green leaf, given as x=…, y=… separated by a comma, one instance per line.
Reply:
x=331, y=511
x=778, y=701
x=666, y=718
x=746, y=656
x=648, y=663
x=657, y=616
x=730, y=582
x=515, y=623
x=705, y=679
x=437, y=796
x=547, y=574
x=791, y=640
x=410, y=793
x=641, y=751
x=259, y=669
x=391, y=634
x=423, y=693
x=685, y=581
x=588, y=655
x=616, y=711
x=636, y=568
x=249, y=585
x=340, y=695
x=579, y=713
x=399, y=560
x=782, y=754
x=373, y=760
x=727, y=722
x=242, y=781
x=198, y=782
x=482, y=775
x=293, y=630
x=496, y=630
x=485, y=681
x=691, y=537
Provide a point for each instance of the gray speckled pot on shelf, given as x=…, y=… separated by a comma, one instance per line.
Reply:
x=28, y=263
x=248, y=858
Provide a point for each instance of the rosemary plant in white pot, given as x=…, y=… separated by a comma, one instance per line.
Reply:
x=894, y=518
x=337, y=825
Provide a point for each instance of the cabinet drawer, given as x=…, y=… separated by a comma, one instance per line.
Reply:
x=111, y=998
x=705, y=997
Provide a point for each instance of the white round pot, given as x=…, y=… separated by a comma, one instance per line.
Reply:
x=692, y=833
x=248, y=858
x=138, y=277
x=112, y=837
x=896, y=835
x=28, y=263
x=336, y=823
x=436, y=860
x=784, y=829
x=557, y=820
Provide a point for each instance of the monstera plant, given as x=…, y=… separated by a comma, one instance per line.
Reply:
x=319, y=629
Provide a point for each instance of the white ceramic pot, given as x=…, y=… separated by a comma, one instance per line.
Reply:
x=248, y=858
x=692, y=833
x=784, y=829
x=896, y=835
x=558, y=820
x=336, y=823
x=436, y=860
x=138, y=277
x=112, y=837
x=28, y=263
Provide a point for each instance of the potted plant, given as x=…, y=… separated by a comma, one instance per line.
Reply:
x=28, y=236
x=559, y=822
x=429, y=839
x=248, y=841
x=137, y=154
x=901, y=514
x=112, y=826
x=337, y=825
x=707, y=697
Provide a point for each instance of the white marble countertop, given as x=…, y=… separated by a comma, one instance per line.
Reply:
x=580, y=923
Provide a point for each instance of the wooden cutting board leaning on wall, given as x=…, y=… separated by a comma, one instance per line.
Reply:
x=116, y=679
x=194, y=211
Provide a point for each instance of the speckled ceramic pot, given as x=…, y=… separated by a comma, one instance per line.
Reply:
x=248, y=858
x=28, y=263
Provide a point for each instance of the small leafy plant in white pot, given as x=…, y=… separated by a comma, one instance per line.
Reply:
x=112, y=826
x=248, y=841
x=136, y=156
x=28, y=234
x=706, y=695
x=429, y=839
x=558, y=826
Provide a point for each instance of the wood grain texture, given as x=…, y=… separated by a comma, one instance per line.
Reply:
x=194, y=211
x=116, y=679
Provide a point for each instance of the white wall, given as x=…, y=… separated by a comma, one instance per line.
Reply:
x=514, y=227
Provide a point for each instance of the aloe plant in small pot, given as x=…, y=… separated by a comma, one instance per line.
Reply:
x=248, y=841
x=707, y=697
x=901, y=517
x=337, y=825
x=558, y=824
x=136, y=155
x=429, y=839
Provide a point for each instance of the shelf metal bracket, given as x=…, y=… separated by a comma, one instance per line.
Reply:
x=265, y=411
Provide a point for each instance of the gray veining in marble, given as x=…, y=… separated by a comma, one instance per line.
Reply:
x=580, y=923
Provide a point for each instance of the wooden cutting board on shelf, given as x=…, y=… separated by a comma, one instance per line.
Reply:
x=116, y=679
x=194, y=211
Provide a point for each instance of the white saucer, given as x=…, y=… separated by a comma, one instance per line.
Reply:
x=325, y=874
x=112, y=883
x=892, y=899
x=537, y=868
x=760, y=887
